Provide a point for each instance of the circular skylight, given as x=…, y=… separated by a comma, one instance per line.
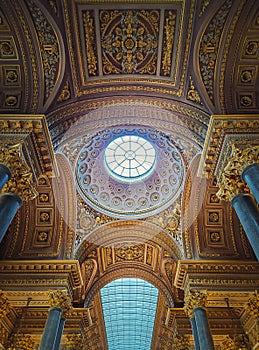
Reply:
x=130, y=158
x=129, y=172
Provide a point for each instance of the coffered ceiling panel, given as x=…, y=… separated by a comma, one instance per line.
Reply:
x=118, y=42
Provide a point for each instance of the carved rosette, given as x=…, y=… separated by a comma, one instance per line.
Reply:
x=59, y=298
x=21, y=181
x=4, y=305
x=193, y=300
x=230, y=182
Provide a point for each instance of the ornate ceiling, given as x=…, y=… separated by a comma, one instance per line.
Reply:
x=73, y=72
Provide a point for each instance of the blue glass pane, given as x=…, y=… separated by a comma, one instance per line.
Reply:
x=129, y=308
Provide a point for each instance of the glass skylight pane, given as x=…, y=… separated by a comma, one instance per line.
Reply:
x=131, y=152
x=129, y=307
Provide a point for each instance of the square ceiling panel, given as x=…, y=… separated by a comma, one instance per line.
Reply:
x=125, y=43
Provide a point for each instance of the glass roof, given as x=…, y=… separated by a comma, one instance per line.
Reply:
x=129, y=308
x=130, y=157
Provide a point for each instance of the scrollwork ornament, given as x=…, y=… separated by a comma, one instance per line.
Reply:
x=194, y=300
x=21, y=181
x=231, y=183
x=59, y=298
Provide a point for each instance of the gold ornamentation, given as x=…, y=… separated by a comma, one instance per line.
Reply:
x=209, y=48
x=129, y=252
x=246, y=76
x=89, y=43
x=230, y=183
x=49, y=47
x=204, y=5
x=42, y=236
x=168, y=42
x=181, y=342
x=193, y=300
x=192, y=93
x=129, y=47
x=22, y=342
x=4, y=305
x=253, y=305
x=65, y=94
x=74, y=342
x=21, y=181
x=61, y=299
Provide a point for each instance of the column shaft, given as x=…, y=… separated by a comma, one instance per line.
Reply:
x=203, y=329
x=59, y=333
x=251, y=176
x=195, y=333
x=51, y=329
x=248, y=214
x=9, y=204
x=5, y=175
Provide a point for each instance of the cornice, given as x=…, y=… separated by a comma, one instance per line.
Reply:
x=41, y=276
x=232, y=275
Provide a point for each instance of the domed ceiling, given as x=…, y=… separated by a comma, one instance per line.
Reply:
x=129, y=172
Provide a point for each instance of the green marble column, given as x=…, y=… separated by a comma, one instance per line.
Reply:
x=50, y=332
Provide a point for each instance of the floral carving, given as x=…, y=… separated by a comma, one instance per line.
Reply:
x=209, y=47
x=128, y=47
x=49, y=47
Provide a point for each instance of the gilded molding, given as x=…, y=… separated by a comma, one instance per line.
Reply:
x=225, y=275
x=90, y=43
x=223, y=132
x=168, y=42
x=45, y=274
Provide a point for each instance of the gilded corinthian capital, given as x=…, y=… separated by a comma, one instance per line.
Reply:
x=4, y=305
x=59, y=298
x=252, y=307
x=21, y=181
x=230, y=182
x=193, y=300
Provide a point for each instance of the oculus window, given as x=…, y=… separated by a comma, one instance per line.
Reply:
x=129, y=158
x=129, y=308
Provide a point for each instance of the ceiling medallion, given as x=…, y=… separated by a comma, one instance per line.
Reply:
x=129, y=172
